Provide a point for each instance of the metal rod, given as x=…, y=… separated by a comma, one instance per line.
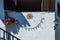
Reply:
x=8, y=34
x=4, y=35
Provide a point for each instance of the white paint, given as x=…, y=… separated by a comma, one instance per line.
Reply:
x=45, y=32
x=3, y=27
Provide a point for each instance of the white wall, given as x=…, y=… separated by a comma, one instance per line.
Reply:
x=44, y=32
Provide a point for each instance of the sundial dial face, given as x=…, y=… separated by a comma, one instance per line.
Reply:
x=41, y=24
x=35, y=20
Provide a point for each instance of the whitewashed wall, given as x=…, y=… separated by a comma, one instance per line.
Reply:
x=44, y=32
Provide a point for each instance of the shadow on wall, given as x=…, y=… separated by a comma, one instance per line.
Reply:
x=21, y=20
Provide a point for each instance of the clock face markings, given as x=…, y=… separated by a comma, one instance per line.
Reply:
x=35, y=19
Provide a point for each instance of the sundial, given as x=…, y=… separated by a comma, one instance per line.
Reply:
x=35, y=20
x=41, y=24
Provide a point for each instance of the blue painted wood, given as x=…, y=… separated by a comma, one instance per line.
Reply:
x=1, y=9
x=56, y=9
x=57, y=31
x=21, y=20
